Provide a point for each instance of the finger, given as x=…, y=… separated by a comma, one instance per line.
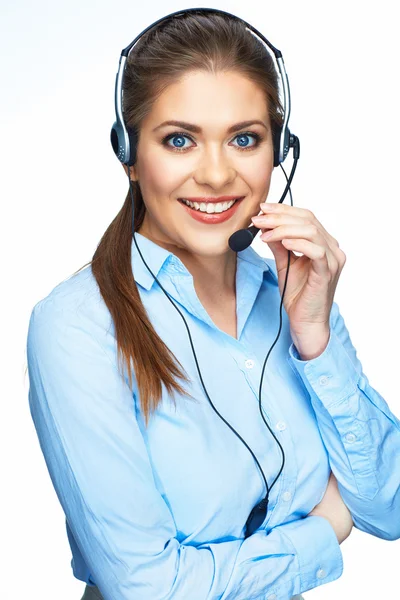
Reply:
x=308, y=232
x=281, y=255
x=277, y=208
x=268, y=221
x=300, y=229
x=316, y=253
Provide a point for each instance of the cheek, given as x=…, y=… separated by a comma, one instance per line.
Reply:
x=161, y=174
x=257, y=168
x=257, y=174
x=158, y=178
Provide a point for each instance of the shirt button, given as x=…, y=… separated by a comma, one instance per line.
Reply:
x=287, y=496
x=281, y=425
x=272, y=597
x=321, y=573
x=323, y=380
x=350, y=437
x=249, y=363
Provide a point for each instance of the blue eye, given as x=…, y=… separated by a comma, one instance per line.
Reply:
x=176, y=136
x=243, y=137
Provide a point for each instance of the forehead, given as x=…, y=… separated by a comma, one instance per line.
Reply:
x=213, y=99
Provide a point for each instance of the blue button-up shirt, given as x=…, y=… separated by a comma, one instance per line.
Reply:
x=160, y=513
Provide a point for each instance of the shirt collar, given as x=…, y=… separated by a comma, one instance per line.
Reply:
x=159, y=259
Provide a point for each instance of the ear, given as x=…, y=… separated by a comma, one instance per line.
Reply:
x=132, y=172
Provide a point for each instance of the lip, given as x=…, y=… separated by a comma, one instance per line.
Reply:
x=214, y=218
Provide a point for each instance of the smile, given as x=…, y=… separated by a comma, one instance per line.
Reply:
x=211, y=212
x=210, y=207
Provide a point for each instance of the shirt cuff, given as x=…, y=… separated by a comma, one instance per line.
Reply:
x=331, y=375
x=317, y=550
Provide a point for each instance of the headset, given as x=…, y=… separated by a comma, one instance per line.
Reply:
x=124, y=143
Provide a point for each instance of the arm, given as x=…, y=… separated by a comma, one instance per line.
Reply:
x=360, y=432
x=84, y=415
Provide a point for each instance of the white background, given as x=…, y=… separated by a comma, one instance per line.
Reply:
x=62, y=186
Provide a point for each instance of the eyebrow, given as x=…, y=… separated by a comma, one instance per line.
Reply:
x=197, y=129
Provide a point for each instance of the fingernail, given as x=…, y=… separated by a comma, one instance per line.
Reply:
x=267, y=234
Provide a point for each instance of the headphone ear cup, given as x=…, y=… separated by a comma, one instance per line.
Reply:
x=276, y=138
x=133, y=141
x=114, y=139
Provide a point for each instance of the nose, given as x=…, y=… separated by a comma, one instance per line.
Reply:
x=214, y=169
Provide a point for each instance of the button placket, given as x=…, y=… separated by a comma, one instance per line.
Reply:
x=271, y=412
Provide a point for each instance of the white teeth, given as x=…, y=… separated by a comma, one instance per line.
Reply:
x=210, y=207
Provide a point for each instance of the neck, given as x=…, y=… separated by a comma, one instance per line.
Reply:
x=214, y=277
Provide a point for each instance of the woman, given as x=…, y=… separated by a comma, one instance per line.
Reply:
x=156, y=496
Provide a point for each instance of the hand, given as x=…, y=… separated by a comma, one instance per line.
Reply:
x=334, y=510
x=312, y=278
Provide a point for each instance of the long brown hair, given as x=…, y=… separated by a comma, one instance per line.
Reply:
x=189, y=42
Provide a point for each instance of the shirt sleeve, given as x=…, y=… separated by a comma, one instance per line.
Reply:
x=84, y=415
x=360, y=432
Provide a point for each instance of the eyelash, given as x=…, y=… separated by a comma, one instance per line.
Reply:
x=164, y=141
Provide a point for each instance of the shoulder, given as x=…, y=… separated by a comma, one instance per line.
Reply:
x=76, y=299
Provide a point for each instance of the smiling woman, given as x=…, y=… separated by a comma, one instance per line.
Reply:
x=202, y=95
x=157, y=493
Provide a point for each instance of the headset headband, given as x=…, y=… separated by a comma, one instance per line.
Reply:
x=122, y=141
